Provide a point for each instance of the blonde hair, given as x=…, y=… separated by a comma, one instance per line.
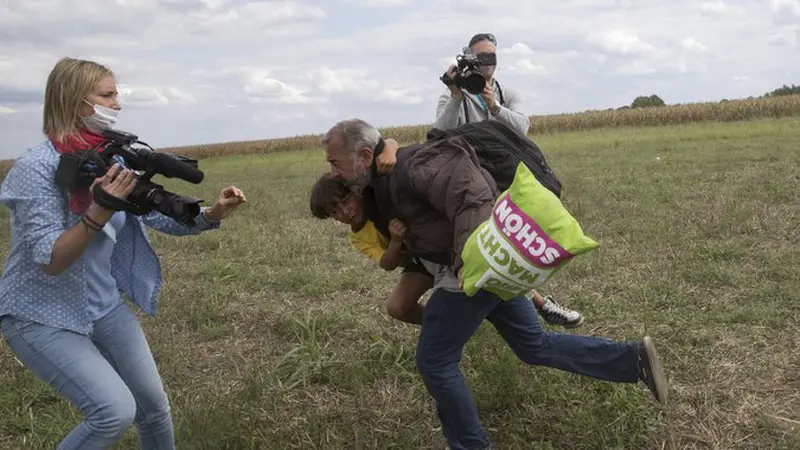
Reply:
x=68, y=85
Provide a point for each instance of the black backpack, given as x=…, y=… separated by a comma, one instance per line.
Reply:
x=500, y=149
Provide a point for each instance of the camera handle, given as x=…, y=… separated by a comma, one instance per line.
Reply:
x=108, y=201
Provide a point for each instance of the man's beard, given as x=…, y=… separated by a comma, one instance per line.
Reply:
x=361, y=181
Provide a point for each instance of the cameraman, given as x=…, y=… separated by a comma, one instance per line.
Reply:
x=61, y=308
x=457, y=107
x=499, y=104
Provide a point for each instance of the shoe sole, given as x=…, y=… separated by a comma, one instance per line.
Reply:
x=656, y=371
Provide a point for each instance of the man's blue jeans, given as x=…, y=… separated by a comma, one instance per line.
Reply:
x=110, y=377
x=451, y=318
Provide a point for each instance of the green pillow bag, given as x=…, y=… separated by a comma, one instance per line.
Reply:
x=528, y=238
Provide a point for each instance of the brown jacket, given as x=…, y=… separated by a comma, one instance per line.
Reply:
x=440, y=193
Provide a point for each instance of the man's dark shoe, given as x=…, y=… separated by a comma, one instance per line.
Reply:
x=650, y=371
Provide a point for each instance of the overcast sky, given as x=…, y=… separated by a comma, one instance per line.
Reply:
x=201, y=71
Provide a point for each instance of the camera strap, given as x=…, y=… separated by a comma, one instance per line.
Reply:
x=108, y=201
x=500, y=91
x=464, y=101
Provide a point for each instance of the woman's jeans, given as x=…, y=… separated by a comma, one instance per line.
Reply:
x=110, y=376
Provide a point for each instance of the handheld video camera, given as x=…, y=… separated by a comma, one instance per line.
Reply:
x=468, y=74
x=79, y=170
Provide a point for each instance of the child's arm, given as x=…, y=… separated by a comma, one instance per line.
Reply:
x=394, y=255
x=388, y=156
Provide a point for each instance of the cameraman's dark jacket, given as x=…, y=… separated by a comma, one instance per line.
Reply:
x=440, y=193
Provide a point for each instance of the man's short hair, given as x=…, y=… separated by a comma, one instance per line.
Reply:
x=355, y=134
x=326, y=194
x=482, y=37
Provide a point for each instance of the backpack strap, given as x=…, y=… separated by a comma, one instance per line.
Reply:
x=379, y=207
x=375, y=153
x=527, y=152
x=502, y=101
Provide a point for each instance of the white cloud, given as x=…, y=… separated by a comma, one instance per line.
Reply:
x=336, y=81
x=144, y=96
x=263, y=88
x=268, y=117
x=636, y=67
x=218, y=70
x=526, y=67
x=261, y=17
x=782, y=38
x=363, y=84
x=620, y=42
x=6, y=110
x=719, y=7
x=785, y=11
x=692, y=44
x=378, y=3
x=518, y=49
x=400, y=96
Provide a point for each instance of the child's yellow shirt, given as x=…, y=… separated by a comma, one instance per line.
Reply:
x=370, y=242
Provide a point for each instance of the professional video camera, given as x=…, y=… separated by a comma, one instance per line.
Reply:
x=79, y=170
x=468, y=74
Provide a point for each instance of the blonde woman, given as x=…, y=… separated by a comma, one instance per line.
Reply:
x=61, y=306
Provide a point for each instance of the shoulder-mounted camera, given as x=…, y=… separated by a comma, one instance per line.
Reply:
x=80, y=169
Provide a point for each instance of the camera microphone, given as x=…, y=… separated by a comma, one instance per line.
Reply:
x=166, y=164
x=172, y=167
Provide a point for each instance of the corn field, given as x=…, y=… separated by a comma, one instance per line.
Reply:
x=723, y=111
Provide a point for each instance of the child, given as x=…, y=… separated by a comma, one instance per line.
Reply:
x=331, y=197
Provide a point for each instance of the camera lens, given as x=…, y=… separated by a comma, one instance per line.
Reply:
x=474, y=82
x=182, y=209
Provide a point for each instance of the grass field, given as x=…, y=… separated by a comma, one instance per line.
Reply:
x=271, y=333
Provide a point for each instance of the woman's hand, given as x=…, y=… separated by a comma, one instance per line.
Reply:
x=116, y=182
x=70, y=245
x=228, y=200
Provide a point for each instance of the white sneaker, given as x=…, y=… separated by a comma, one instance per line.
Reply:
x=554, y=313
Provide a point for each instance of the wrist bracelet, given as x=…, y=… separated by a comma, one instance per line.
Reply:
x=89, y=221
x=88, y=225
